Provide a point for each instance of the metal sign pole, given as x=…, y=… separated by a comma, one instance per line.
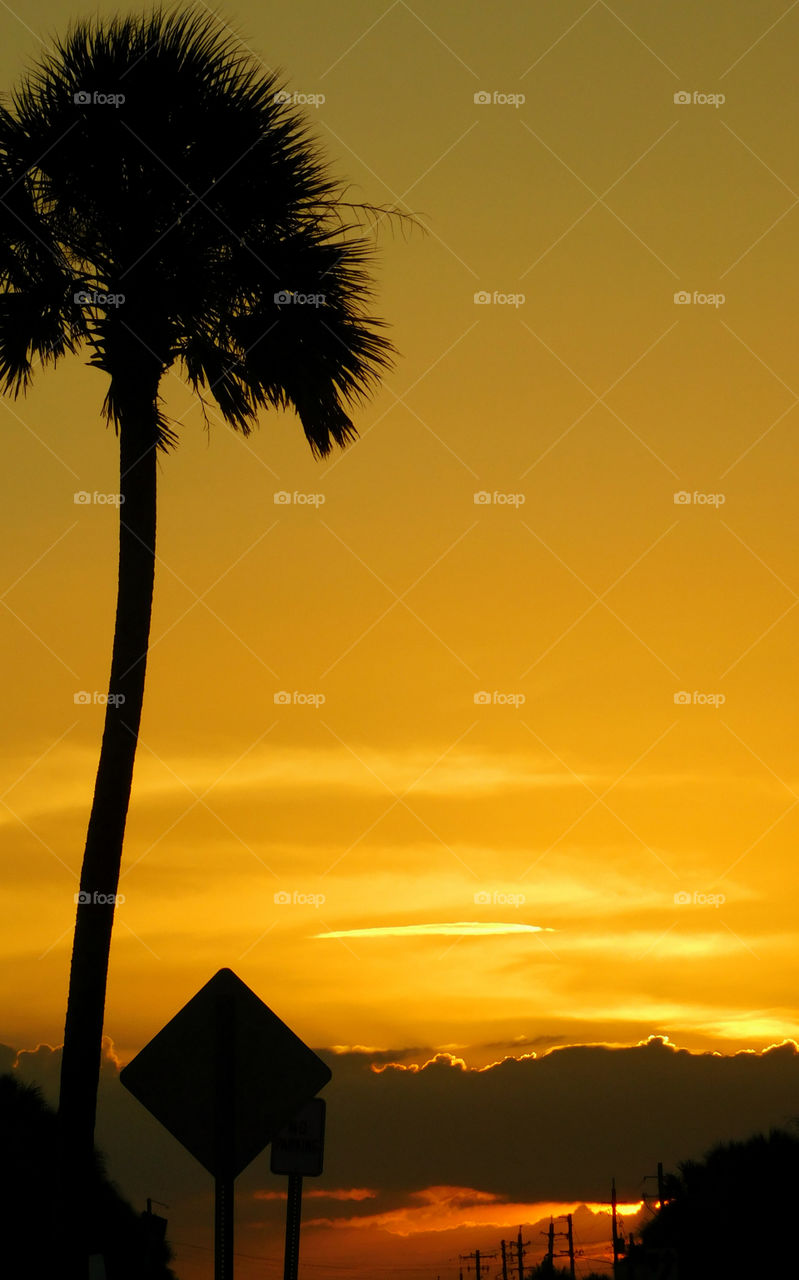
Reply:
x=293, y=1213
x=224, y=1119
x=223, y=1229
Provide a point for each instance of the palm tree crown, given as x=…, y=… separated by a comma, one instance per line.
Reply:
x=149, y=162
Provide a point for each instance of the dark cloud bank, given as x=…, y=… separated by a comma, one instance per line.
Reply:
x=554, y=1127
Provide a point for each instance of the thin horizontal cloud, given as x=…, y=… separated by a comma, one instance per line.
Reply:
x=59, y=784
x=450, y=929
x=677, y=944
x=273, y=770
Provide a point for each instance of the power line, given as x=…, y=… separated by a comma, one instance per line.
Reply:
x=278, y=1262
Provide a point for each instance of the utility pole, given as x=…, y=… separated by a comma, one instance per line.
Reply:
x=569, y=1251
x=477, y=1258
x=550, y=1235
x=661, y=1183
x=155, y=1234
x=520, y=1245
x=504, y=1261
x=616, y=1242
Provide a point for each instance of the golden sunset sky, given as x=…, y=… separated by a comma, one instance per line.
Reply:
x=532, y=779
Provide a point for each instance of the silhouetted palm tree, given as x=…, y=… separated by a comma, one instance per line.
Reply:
x=164, y=205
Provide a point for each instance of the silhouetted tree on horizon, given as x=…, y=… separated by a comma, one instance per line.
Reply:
x=164, y=205
x=731, y=1213
x=30, y=1242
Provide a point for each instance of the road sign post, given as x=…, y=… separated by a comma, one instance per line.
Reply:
x=224, y=1076
x=298, y=1150
x=223, y=1228
x=291, y=1260
x=224, y=1125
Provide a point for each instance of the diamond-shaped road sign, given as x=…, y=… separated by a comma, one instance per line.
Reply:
x=225, y=1075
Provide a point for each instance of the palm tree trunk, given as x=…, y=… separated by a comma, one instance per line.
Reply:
x=135, y=397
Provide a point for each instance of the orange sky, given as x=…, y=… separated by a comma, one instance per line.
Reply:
x=564, y=717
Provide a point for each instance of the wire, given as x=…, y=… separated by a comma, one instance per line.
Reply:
x=278, y=1262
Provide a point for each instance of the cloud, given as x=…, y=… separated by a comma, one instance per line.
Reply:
x=549, y=1127
x=424, y=1142
x=456, y=929
x=266, y=772
x=323, y=1193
